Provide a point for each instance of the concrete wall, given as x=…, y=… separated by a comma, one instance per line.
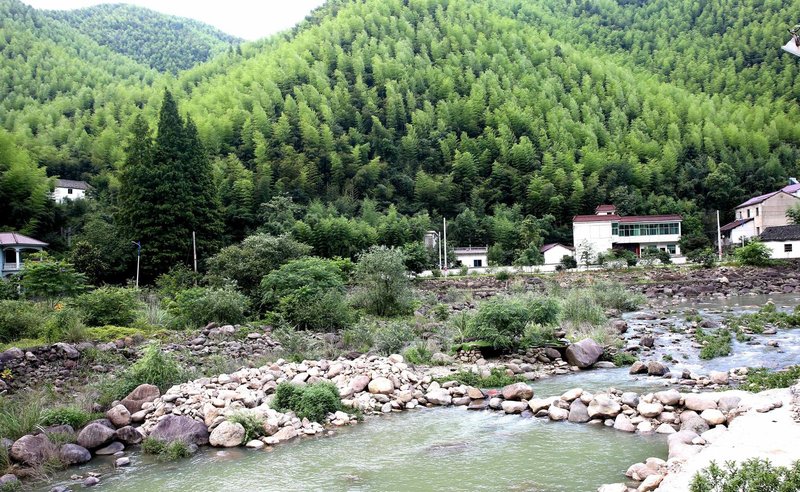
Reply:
x=595, y=234
x=61, y=194
x=769, y=213
x=553, y=255
x=777, y=249
x=468, y=259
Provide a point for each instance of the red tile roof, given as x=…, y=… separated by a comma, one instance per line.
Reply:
x=17, y=239
x=605, y=208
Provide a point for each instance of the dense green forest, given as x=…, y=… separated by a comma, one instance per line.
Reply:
x=163, y=42
x=507, y=117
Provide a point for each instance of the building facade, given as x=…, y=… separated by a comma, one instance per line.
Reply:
x=13, y=249
x=782, y=241
x=606, y=230
x=67, y=189
x=472, y=257
x=554, y=252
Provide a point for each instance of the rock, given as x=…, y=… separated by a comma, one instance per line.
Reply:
x=285, y=434
x=655, y=368
x=227, y=435
x=537, y=404
x=650, y=410
x=517, y=391
x=124, y=461
x=439, y=397
x=604, y=364
x=440, y=358
x=119, y=415
x=665, y=429
x=638, y=367
x=31, y=450
x=255, y=444
x=623, y=423
x=578, y=412
x=383, y=386
x=359, y=383
x=552, y=353
x=584, y=353
x=73, y=454
x=90, y=481
x=647, y=341
x=602, y=406
x=9, y=482
x=475, y=393
x=613, y=487
x=514, y=406
x=727, y=403
x=697, y=425
x=698, y=402
x=668, y=397
x=713, y=416
x=718, y=377
x=70, y=352
x=129, y=435
x=557, y=413
x=174, y=427
x=95, y=435
x=630, y=398
x=144, y=393
x=619, y=325
x=644, y=427
x=113, y=448
x=572, y=394
x=650, y=483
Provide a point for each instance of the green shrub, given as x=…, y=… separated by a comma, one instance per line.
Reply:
x=165, y=451
x=296, y=345
x=568, y=262
x=392, y=337
x=580, y=307
x=111, y=333
x=177, y=279
x=496, y=379
x=65, y=325
x=706, y=257
x=383, y=285
x=47, y=278
x=359, y=337
x=538, y=335
x=616, y=296
x=21, y=319
x=501, y=321
x=21, y=414
x=754, y=474
x=502, y=275
x=622, y=359
x=441, y=312
x=108, y=306
x=72, y=416
x=715, y=344
x=198, y=306
x=8, y=290
x=253, y=425
x=309, y=293
x=754, y=253
x=314, y=401
x=760, y=379
x=154, y=367
x=418, y=353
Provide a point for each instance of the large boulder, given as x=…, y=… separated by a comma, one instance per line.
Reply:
x=439, y=396
x=668, y=397
x=655, y=368
x=623, y=423
x=129, y=435
x=584, y=353
x=143, y=393
x=517, y=391
x=180, y=428
x=514, y=406
x=227, y=435
x=95, y=435
x=31, y=450
x=602, y=406
x=359, y=383
x=119, y=415
x=578, y=412
x=698, y=402
x=649, y=410
x=557, y=413
x=73, y=454
x=383, y=386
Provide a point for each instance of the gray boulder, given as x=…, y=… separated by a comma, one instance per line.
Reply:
x=655, y=368
x=602, y=406
x=517, y=391
x=227, y=435
x=584, y=353
x=129, y=435
x=186, y=429
x=73, y=454
x=142, y=394
x=113, y=448
x=95, y=435
x=119, y=415
x=31, y=450
x=578, y=412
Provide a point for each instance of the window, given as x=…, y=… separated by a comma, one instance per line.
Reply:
x=787, y=248
x=672, y=249
x=647, y=229
x=614, y=229
x=740, y=214
x=758, y=230
x=748, y=213
x=69, y=191
x=756, y=211
x=477, y=263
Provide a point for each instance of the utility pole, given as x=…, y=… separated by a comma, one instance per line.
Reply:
x=439, y=243
x=138, y=259
x=719, y=238
x=194, y=251
x=444, y=222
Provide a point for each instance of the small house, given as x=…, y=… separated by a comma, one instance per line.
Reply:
x=782, y=241
x=67, y=189
x=13, y=248
x=472, y=257
x=554, y=252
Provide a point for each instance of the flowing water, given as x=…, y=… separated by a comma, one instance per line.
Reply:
x=428, y=449
x=457, y=449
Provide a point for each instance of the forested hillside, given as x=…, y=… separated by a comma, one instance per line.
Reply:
x=164, y=42
x=504, y=116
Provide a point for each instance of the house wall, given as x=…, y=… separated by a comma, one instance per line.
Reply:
x=769, y=213
x=777, y=249
x=597, y=235
x=553, y=255
x=61, y=194
x=468, y=259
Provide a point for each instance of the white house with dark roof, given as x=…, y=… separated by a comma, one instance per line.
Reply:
x=757, y=214
x=13, y=249
x=67, y=189
x=782, y=241
x=607, y=230
x=554, y=252
x=472, y=256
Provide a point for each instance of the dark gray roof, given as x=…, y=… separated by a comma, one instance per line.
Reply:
x=781, y=233
x=69, y=183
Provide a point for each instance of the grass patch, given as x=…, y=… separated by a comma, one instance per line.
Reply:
x=768, y=315
x=165, y=451
x=314, y=401
x=496, y=379
x=623, y=359
x=715, y=344
x=755, y=474
x=155, y=367
x=111, y=333
x=760, y=379
x=71, y=416
x=418, y=353
x=24, y=344
x=21, y=414
x=253, y=425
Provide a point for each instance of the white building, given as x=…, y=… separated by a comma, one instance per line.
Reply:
x=472, y=257
x=13, y=249
x=761, y=212
x=67, y=189
x=553, y=253
x=782, y=241
x=607, y=230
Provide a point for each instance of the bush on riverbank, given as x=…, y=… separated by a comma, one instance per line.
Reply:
x=754, y=253
x=496, y=379
x=72, y=416
x=21, y=319
x=108, y=306
x=501, y=321
x=155, y=367
x=252, y=424
x=768, y=315
x=760, y=379
x=314, y=401
x=754, y=474
x=65, y=325
x=198, y=306
x=715, y=344
x=383, y=285
x=165, y=451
